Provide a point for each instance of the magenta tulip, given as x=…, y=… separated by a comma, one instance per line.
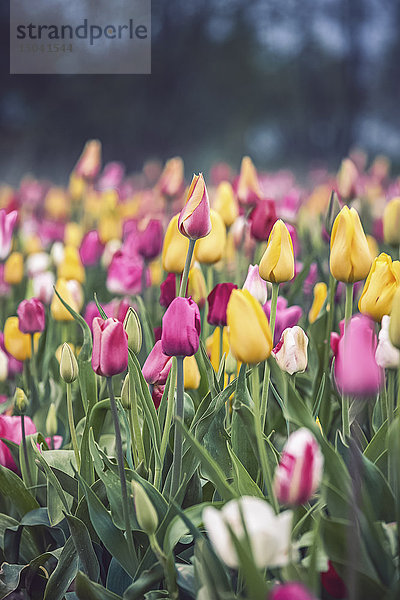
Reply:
x=262, y=219
x=218, y=300
x=157, y=366
x=91, y=249
x=168, y=290
x=111, y=177
x=150, y=239
x=157, y=394
x=31, y=316
x=125, y=274
x=194, y=220
x=7, y=224
x=285, y=316
x=333, y=583
x=110, y=347
x=291, y=591
x=10, y=429
x=181, y=328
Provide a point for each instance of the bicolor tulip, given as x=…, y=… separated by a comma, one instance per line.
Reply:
x=268, y=534
x=157, y=366
x=175, y=248
x=171, y=181
x=248, y=188
x=225, y=203
x=210, y=249
x=262, y=219
x=277, y=263
x=71, y=267
x=286, y=316
x=387, y=356
x=379, y=289
x=111, y=177
x=31, y=316
x=255, y=285
x=250, y=336
x=181, y=328
x=350, y=258
x=394, y=327
x=391, y=222
x=150, y=238
x=291, y=351
x=299, y=471
x=42, y=285
x=7, y=225
x=291, y=591
x=14, y=268
x=16, y=343
x=194, y=219
x=110, y=347
x=91, y=249
x=218, y=300
x=320, y=294
x=89, y=163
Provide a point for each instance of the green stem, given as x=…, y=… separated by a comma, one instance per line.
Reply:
x=167, y=425
x=267, y=372
x=32, y=361
x=391, y=375
x=121, y=469
x=345, y=399
x=168, y=567
x=25, y=451
x=221, y=343
x=180, y=411
x=72, y=426
x=398, y=387
x=134, y=417
x=182, y=290
x=329, y=322
x=133, y=440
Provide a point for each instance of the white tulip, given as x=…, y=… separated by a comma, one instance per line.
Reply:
x=111, y=248
x=42, y=285
x=291, y=351
x=57, y=253
x=387, y=356
x=37, y=263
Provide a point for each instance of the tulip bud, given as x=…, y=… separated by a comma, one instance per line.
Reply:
x=277, y=263
x=210, y=249
x=68, y=364
x=110, y=347
x=346, y=179
x=14, y=268
x=89, y=163
x=386, y=355
x=31, y=316
x=73, y=234
x=225, y=203
x=231, y=365
x=51, y=420
x=197, y=288
x=157, y=366
x=391, y=222
x=255, y=285
x=191, y=373
x=291, y=351
x=262, y=219
x=350, y=257
x=71, y=267
x=320, y=294
x=125, y=397
x=134, y=330
x=248, y=187
x=181, y=328
x=20, y=400
x=91, y=249
x=394, y=327
x=16, y=343
x=145, y=512
x=194, y=219
x=380, y=287
x=7, y=224
x=291, y=591
x=171, y=181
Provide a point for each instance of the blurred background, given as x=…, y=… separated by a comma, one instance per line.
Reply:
x=291, y=83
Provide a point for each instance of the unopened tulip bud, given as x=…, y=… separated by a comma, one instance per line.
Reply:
x=194, y=219
x=20, y=400
x=387, y=356
x=277, y=263
x=346, y=179
x=191, y=373
x=181, y=328
x=391, y=222
x=394, y=327
x=89, y=163
x=225, y=203
x=31, y=316
x=299, y=472
x=380, y=287
x=218, y=300
x=291, y=351
x=110, y=347
x=255, y=285
x=350, y=258
x=68, y=364
x=145, y=512
x=175, y=248
x=125, y=397
x=248, y=187
x=231, y=365
x=134, y=330
x=51, y=420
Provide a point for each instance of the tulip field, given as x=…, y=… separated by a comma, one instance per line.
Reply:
x=200, y=383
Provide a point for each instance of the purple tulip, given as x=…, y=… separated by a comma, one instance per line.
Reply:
x=110, y=347
x=285, y=316
x=31, y=316
x=181, y=328
x=111, y=177
x=218, y=300
x=91, y=249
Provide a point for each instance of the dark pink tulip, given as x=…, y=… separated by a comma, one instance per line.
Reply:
x=181, y=328
x=218, y=300
x=111, y=177
x=7, y=224
x=194, y=219
x=311, y=279
x=168, y=290
x=150, y=239
x=10, y=429
x=291, y=591
x=125, y=274
x=333, y=583
x=157, y=333
x=285, y=316
x=110, y=347
x=130, y=246
x=356, y=370
x=157, y=394
x=157, y=366
x=91, y=249
x=299, y=472
x=116, y=309
x=262, y=219
x=31, y=316
x=51, y=231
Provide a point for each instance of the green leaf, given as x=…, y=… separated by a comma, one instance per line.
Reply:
x=177, y=528
x=88, y=590
x=242, y=481
x=84, y=547
x=64, y=573
x=9, y=578
x=148, y=580
x=13, y=488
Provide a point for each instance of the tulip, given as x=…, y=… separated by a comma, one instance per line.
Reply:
x=110, y=249
x=249, y=332
x=134, y=330
x=3, y=365
x=332, y=583
x=71, y=292
x=299, y=472
x=320, y=294
x=356, y=371
x=350, y=258
x=391, y=222
x=145, y=512
x=157, y=366
x=110, y=227
x=71, y=267
x=76, y=187
x=68, y=364
x=291, y=591
x=56, y=204
x=168, y=290
x=210, y=249
x=285, y=316
x=57, y=253
x=89, y=163
x=194, y=219
x=387, y=356
x=150, y=239
x=267, y=533
x=277, y=263
x=14, y=268
x=111, y=177
x=291, y=351
x=7, y=224
x=91, y=249
x=255, y=285
x=347, y=179
x=73, y=234
x=31, y=316
x=382, y=282
x=191, y=373
x=175, y=248
x=225, y=203
x=110, y=347
x=10, y=429
x=197, y=288
x=125, y=274
x=157, y=394
x=14, y=366
x=16, y=343
x=42, y=285
x=248, y=187
x=262, y=219
x=394, y=327
x=181, y=328
x=171, y=181
x=218, y=300
x=373, y=246
x=37, y=263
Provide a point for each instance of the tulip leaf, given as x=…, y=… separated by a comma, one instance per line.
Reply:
x=84, y=547
x=147, y=581
x=243, y=482
x=88, y=590
x=64, y=573
x=9, y=578
x=100, y=308
x=211, y=375
x=13, y=488
x=177, y=528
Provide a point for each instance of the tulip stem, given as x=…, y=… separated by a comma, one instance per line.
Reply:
x=221, y=343
x=189, y=255
x=121, y=469
x=33, y=364
x=329, y=322
x=390, y=394
x=167, y=424
x=72, y=426
x=25, y=451
x=267, y=372
x=180, y=412
x=134, y=417
x=345, y=399
x=274, y=302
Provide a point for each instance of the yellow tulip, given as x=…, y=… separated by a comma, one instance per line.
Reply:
x=71, y=267
x=248, y=188
x=32, y=244
x=73, y=234
x=373, y=246
x=155, y=272
x=350, y=258
x=175, y=248
x=191, y=373
x=71, y=293
x=225, y=203
x=16, y=343
x=379, y=289
x=320, y=294
x=212, y=346
x=346, y=179
x=277, y=263
x=57, y=203
x=210, y=249
x=249, y=332
x=391, y=222
x=394, y=325
x=197, y=288
x=110, y=227
x=14, y=268
x=77, y=187
x=171, y=179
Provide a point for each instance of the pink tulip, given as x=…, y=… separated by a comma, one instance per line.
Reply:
x=157, y=366
x=10, y=429
x=110, y=347
x=291, y=591
x=111, y=177
x=51, y=231
x=150, y=239
x=91, y=249
x=116, y=309
x=31, y=316
x=255, y=285
x=168, y=290
x=356, y=370
x=181, y=328
x=7, y=224
x=285, y=316
x=194, y=220
x=125, y=274
x=262, y=219
x=299, y=472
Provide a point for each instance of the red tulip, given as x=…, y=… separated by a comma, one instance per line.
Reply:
x=31, y=316
x=218, y=300
x=168, y=290
x=332, y=583
x=110, y=347
x=181, y=328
